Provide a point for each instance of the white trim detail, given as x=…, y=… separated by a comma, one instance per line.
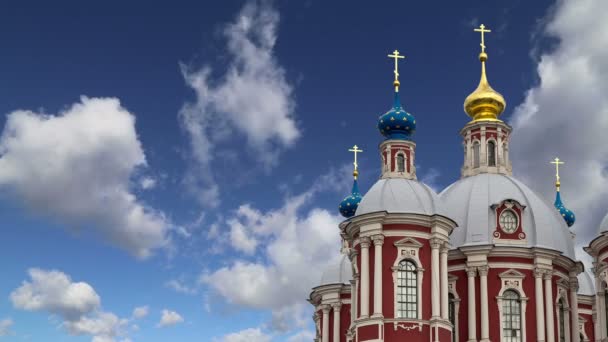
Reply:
x=512, y=280
x=408, y=249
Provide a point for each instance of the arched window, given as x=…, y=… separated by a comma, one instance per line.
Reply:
x=452, y=314
x=476, y=154
x=491, y=153
x=511, y=311
x=400, y=163
x=562, y=320
x=407, y=290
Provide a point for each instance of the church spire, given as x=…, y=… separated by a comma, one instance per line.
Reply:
x=398, y=127
x=484, y=103
x=349, y=204
x=566, y=213
x=486, y=137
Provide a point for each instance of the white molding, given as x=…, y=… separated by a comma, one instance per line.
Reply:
x=512, y=280
x=408, y=249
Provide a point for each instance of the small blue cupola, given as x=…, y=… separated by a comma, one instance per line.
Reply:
x=349, y=204
x=397, y=123
x=566, y=213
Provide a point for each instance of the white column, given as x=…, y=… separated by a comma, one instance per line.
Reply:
x=483, y=294
x=471, y=272
x=378, y=241
x=336, y=308
x=444, y=283
x=435, y=295
x=549, y=307
x=574, y=310
x=601, y=314
x=483, y=149
x=325, y=335
x=540, y=314
x=365, y=276
x=353, y=301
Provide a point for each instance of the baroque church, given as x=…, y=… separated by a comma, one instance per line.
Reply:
x=486, y=259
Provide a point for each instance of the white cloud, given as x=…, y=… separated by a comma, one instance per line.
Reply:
x=141, y=312
x=251, y=99
x=76, y=303
x=54, y=292
x=147, y=183
x=76, y=167
x=302, y=336
x=566, y=114
x=170, y=318
x=292, y=240
x=246, y=335
x=5, y=327
x=180, y=287
x=103, y=326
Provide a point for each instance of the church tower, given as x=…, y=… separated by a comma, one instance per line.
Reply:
x=486, y=137
x=396, y=238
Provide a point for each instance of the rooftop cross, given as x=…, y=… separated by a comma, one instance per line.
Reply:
x=557, y=163
x=396, y=56
x=482, y=30
x=355, y=150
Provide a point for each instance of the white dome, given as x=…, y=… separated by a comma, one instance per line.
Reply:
x=468, y=202
x=398, y=195
x=586, y=283
x=603, y=225
x=340, y=273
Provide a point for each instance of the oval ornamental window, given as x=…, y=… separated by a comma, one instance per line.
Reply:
x=508, y=221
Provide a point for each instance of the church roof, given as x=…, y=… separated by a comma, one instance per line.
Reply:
x=399, y=195
x=469, y=202
x=603, y=225
x=586, y=284
x=339, y=273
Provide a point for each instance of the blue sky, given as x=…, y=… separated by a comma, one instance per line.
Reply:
x=173, y=172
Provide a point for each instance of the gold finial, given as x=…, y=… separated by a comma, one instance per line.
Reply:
x=484, y=104
x=557, y=163
x=396, y=56
x=355, y=150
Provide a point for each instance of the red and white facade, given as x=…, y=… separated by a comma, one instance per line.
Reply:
x=422, y=274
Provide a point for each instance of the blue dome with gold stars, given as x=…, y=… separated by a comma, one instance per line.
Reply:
x=349, y=204
x=397, y=123
x=566, y=213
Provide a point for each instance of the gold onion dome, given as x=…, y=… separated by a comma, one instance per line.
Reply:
x=485, y=103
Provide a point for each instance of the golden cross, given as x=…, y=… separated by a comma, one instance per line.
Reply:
x=355, y=150
x=396, y=56
x=557, y=163
x=483, y=30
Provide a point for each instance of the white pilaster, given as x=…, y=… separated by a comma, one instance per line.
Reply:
x=549, y=307
x=444, y=283
x=378, y=241
x=325, y=335
x=540, y=314
x=435, y=294
x=483, y=294
x=336, y=307
x=576, y=337
x=353, y=301
x=471, y=272
x=365, y=242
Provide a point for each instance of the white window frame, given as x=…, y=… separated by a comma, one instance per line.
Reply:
x=400, y=153
x=495, y=152
x=452, y=289
x=408, y=249
x=562, y=293
x=512, y=280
